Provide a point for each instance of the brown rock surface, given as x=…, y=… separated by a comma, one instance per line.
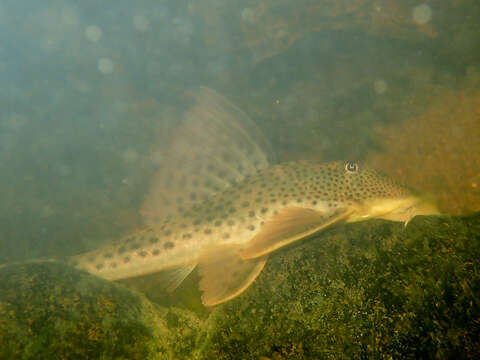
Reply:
x=438, y=151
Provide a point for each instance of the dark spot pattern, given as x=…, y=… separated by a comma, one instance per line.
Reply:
x=302, y=183
x=168, y=245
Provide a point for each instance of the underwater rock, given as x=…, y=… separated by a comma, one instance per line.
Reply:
x=51, y=311
x=271, y=27
x=445, y=162
x=366, y=290
x=362, y=291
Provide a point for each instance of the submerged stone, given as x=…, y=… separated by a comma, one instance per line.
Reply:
x=366, y=290
x=51, y=311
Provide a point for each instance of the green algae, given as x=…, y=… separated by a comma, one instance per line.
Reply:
x=366, y=290
x=51, y=311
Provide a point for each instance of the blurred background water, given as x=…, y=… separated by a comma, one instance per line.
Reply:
x=91, y=91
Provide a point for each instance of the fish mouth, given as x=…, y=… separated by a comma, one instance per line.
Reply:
x=403, y=209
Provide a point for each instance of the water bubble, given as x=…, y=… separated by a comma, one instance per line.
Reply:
x=16, y=122
x=64, y=170
x=380, y=86
x=312, y=115
x=69, y=16
x=130, y=155
x=156, y=158
x=105, y=66
x=176, y=69
x=140, y=23
x=93, y=33
x=183, y=26
x=472, y=74
x=47, y=211
x=248, y=15
x=217, y=67
x=422, y=14
x=154, y=68
x=81, y=85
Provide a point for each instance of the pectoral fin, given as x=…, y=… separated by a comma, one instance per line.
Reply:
x=225, y=275
x=289, y=225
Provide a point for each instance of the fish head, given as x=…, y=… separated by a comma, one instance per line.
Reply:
x=374, y=195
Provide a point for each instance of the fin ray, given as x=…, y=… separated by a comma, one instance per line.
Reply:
x=216, y=145
x=225, y=275
x=291, y=224
x=174, y=277
x=159, y=282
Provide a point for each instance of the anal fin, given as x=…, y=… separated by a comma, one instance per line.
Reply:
x=225, y=275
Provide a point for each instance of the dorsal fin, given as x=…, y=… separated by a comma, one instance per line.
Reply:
x=216, y=145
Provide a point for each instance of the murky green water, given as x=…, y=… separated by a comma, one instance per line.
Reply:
x=91, y=95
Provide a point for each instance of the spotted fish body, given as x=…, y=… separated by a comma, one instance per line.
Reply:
x=236, y=215
x=243, y=211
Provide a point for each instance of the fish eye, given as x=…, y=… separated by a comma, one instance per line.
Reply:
x=351, y=167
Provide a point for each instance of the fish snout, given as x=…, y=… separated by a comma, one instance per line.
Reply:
x=396, y=209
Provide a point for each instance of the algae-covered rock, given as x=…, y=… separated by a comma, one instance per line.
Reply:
x=453, y=112
x=51, y=311
x=366, y=290
x=362, y=291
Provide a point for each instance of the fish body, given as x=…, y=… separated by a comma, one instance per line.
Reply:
x=227, y=221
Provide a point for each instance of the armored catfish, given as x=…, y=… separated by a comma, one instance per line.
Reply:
x=218, y=203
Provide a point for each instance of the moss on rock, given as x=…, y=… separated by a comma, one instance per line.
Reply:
x=51, y=311
x=367, y=290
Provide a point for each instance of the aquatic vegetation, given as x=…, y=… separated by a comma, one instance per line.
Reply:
x=364, y=290
x=367, y=290
x=48, y=310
